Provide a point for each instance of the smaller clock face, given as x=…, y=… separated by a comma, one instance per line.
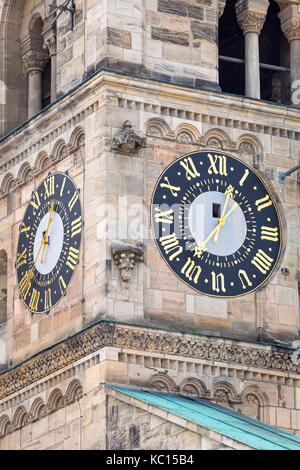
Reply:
x=216, y=224
x=49, y=243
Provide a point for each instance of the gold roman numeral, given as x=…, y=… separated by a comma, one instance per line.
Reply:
x=262, y=203
x=25, y=285
x=243, y=179
x=174, y=189
x=189, y=166
x=48, y=300
x=164, y=217
x=35, y=201
x=62, y=187
x=170, y=243
x=22, y=258
x=269, y=233
x=191, y=270
x=62, y=284
x=73, y=200
x=72, y=259
x=49, y=187
x=242, y=274
x=218, y=165
x=262, y=261
x=218, y=281
x=24, y=229
x=76, y=226
x=34, y=301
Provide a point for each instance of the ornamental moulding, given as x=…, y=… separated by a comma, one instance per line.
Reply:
x=120, y=336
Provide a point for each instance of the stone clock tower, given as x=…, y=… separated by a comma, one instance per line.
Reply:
x=149, y=224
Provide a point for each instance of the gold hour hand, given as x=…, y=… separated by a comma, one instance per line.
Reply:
x=229, y=193
x=44, y=240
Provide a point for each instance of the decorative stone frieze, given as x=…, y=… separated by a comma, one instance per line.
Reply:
x=126, y=255
x=128, y=140
x=141, y=339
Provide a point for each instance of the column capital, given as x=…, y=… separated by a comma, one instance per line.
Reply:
x=251, y=15
x=291, y=29
x=34, y=61
x=290, y=22
x=50, y=45
x=49, y=36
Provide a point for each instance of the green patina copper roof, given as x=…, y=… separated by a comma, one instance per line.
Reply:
x=229, y=423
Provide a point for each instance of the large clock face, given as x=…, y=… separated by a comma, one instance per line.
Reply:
x=216, y=224
x=49, y=243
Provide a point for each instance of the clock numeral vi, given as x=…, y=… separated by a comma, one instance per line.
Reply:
x=191, y=271
x=48, y=300
x=218, y=165
x=243, y=274
x=170, y=243
x=262, y=261
x=62, y=284
x=218, y=281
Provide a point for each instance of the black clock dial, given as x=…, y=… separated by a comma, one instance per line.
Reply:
x=49, y=243
x=216, y=224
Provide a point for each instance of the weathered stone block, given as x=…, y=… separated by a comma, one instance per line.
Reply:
x=119, y=38
x=166, y=35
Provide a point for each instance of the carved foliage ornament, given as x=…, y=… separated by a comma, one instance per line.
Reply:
x=107, y=334
x=251, y=22
x=34, y=61
x=291, y=29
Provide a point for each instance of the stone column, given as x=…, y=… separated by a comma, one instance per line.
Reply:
x=34, y=63
x=251, y=15
x=290, y=25
x=49, y=35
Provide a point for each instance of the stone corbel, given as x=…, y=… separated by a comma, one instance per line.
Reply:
x=126, y=255
x=128, y=141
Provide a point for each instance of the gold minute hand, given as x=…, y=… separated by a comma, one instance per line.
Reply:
x=229, y=212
